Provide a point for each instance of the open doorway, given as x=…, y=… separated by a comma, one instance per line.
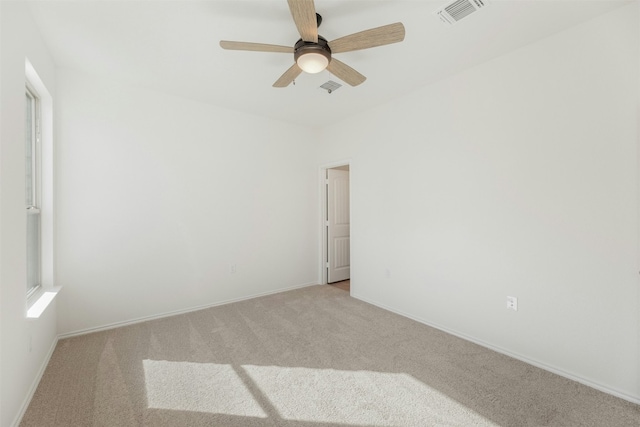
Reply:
x=336, y=251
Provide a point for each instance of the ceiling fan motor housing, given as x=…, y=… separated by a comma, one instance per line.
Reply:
x=302, y=47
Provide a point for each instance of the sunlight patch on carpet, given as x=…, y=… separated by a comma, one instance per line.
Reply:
x=358, y=398
x=198, y=387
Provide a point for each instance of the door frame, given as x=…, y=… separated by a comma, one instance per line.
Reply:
x=322, y=182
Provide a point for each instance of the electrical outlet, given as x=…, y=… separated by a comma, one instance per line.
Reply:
x=512, y=303
x=233, y=269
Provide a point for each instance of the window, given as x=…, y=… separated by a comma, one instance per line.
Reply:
x=39, y=195
x=32, y=191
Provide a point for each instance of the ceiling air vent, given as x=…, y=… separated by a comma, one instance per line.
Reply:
x=460, y=9
x=330, y=86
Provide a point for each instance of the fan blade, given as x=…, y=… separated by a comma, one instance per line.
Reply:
x=345, y=73
x=288, y=76
x=304, y=15
x=380, y=36
x=256, y=47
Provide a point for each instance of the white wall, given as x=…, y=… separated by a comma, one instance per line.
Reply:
x=159, y=196
x=517, y=177
x=24, y=345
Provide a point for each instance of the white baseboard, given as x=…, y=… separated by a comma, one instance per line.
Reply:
x=177, y=312
x=34, y=385
x=541, y=365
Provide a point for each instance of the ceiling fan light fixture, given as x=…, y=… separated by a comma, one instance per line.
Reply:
x=312, y=57
x=312, y=62
x=312, y=53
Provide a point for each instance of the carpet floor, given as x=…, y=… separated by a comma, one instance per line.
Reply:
x=307, y=358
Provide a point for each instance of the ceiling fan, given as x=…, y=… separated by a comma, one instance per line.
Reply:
x=313, y=53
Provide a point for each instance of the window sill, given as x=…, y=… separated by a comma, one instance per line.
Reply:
x=41, y=302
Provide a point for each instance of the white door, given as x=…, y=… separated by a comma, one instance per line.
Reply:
x=338, y=225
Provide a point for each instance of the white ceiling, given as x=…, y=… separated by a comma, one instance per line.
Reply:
x=172, y=46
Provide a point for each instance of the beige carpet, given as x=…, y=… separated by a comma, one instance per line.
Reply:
x=310, y=357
